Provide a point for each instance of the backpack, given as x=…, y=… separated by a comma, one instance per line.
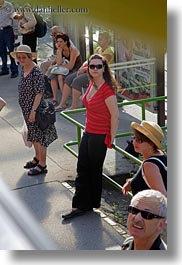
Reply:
x=40, y=27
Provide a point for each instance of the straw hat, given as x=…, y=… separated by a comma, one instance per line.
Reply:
x=25, y=49
x=151, y=130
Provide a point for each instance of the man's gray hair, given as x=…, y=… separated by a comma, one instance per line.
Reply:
x=156, y=197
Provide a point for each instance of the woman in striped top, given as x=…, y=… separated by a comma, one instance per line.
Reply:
x=101, y=125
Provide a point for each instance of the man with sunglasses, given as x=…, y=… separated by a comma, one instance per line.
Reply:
x=146, y=220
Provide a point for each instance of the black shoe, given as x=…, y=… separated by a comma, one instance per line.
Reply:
x=4, y=73
x=73, y=213
x=14, y=75
x=35, y=171
x=30, y=164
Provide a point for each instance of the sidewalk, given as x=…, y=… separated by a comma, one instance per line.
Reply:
x=48, y=197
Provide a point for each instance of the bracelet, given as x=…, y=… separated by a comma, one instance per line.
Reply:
x=34, y=110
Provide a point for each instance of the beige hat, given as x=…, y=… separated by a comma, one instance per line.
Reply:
x=25, y=49
x=151, y=130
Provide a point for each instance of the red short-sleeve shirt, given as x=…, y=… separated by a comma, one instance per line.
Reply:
x=98, y=118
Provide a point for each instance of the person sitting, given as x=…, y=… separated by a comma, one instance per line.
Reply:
x=44, y=66
x=153, y=171
x=68, y=56
x=79, y=80
x=146, y=219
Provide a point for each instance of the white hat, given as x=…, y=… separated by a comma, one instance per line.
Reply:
x=25, y=49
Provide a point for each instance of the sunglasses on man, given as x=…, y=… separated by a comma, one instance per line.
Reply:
x=145, y=214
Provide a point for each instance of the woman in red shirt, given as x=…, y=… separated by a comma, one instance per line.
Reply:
x=101, y=125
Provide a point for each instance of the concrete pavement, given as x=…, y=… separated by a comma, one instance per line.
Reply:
x=48, y=197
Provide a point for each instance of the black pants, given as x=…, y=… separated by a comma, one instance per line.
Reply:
x=31, y=41
x=7, y=45
x=88, y=182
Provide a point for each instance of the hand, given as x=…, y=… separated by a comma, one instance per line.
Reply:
x=82, y=70
x=126, y=187
x=21, y=25
x=32, y=116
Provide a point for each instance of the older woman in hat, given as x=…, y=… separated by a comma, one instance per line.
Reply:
x=153, y=172
x=31, y=89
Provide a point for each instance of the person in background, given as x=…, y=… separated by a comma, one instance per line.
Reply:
x=146, y=220
x=26, y=27
x=104, y=48
x=8, y=34
x=153, y=172
x=101, y=125
x=68, y=56
x=31, y=89
x=77, y=81
x=44, y=66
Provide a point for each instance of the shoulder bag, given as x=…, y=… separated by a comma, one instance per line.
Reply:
x=45, y=115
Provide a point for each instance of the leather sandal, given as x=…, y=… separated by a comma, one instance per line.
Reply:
x=35, y=171
x=30, y=164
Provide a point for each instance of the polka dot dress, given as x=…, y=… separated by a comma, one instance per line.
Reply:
x=28, y=88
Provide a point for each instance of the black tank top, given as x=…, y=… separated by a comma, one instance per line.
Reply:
x=138, y=183
x=78, y=61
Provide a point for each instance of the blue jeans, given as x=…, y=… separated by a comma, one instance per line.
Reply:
x=88, y=183
x=7, y=42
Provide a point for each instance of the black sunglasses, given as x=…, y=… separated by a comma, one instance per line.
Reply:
x=97, y=66
x=144, y=214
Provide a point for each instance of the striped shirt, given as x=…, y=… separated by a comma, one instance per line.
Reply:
x=98, y=118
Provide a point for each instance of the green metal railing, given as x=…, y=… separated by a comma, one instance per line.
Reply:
x=80, y=127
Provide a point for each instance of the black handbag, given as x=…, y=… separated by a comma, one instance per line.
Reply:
x=45, y=115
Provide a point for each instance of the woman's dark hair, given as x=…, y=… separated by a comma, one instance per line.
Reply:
x=107, y=74
x=144, y=138
x=65, y=37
